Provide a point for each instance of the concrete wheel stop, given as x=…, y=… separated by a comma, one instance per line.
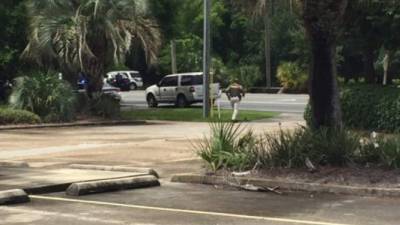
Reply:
x=100, y=186
x=149, y=171
x=14, y=164
x=15, y=196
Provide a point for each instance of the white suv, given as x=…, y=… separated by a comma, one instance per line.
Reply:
x=133, y=76
x=181, y=89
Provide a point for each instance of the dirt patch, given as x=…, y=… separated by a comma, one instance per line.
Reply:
x=360, y=177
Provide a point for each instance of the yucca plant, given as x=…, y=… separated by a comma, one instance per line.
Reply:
x=45, y=95
x=227, y=147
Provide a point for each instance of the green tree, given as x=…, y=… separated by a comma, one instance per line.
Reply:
x=262, y=9
x=89, y=35
x=12, y=37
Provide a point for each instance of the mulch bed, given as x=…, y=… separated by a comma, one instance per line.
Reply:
x=362, y=177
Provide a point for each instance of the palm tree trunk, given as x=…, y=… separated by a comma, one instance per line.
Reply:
x=95, y=70
x=386, y=65
x=322, y=20
x=267, y=29
x=324, y=94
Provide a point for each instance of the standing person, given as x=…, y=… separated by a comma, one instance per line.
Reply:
x=235, y=93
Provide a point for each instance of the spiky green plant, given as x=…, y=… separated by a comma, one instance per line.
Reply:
x=226, y=147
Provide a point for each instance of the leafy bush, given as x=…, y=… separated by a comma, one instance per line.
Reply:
x=45, y=95
x=383, y=151
x=13, y=116
x=249, y=75
x=292, y=77
x=225, y=148
x=104, y=105
x=368, y=107
x=290, y=149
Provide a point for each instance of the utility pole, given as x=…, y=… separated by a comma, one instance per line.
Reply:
x=206, y=59
x=173, y=57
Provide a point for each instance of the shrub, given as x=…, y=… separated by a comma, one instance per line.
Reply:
x=368, y=107
x=104, y=105
x=45, y=95
x=290, y=149
x=292, y=77
x=225, y=148
x=382, y=151
x=12, y=116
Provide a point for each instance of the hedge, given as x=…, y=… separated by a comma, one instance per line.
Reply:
x=12, y=116
x=369, y=107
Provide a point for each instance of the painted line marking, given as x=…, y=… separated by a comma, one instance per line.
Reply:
x=194, y=212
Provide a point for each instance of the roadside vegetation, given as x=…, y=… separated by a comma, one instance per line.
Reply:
x=368, y=107
x=233, y=147
x=15, y=116
x=193, y=114
x=45, y=95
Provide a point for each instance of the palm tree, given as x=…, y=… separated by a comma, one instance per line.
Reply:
x=322, y=20
x=89, y=35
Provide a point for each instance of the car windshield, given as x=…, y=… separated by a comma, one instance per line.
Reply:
x=134, y=74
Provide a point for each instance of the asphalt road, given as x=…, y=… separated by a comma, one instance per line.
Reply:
x=262, y=102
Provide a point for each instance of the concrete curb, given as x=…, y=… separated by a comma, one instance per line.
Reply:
x=51, y=188
x=149, y=171
x=290, y=186
x=16, y=196
x=82, y=124
x=14, y=164
x=84, y=188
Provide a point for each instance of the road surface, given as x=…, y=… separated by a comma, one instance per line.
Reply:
x=262, y=102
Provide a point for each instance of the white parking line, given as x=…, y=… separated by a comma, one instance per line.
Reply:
x=193, y=212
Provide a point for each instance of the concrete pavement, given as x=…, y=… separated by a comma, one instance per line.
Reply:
x=166, y=147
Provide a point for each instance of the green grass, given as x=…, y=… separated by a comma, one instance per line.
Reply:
x=192, y=114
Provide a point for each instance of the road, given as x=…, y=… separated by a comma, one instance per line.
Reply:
x=262, y=102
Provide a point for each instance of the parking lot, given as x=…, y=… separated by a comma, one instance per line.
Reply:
x=167, y=148
x=196, y=204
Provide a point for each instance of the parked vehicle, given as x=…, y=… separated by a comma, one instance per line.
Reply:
x=134, y=77
x=120, y=81
x=107, y=89
x=110, y=90
x=181, y=89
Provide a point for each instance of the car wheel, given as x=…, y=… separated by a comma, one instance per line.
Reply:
x=151, y=101
x=132, y=86
x=181, y=101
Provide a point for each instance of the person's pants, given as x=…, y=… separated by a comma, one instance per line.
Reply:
x=235, y=101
